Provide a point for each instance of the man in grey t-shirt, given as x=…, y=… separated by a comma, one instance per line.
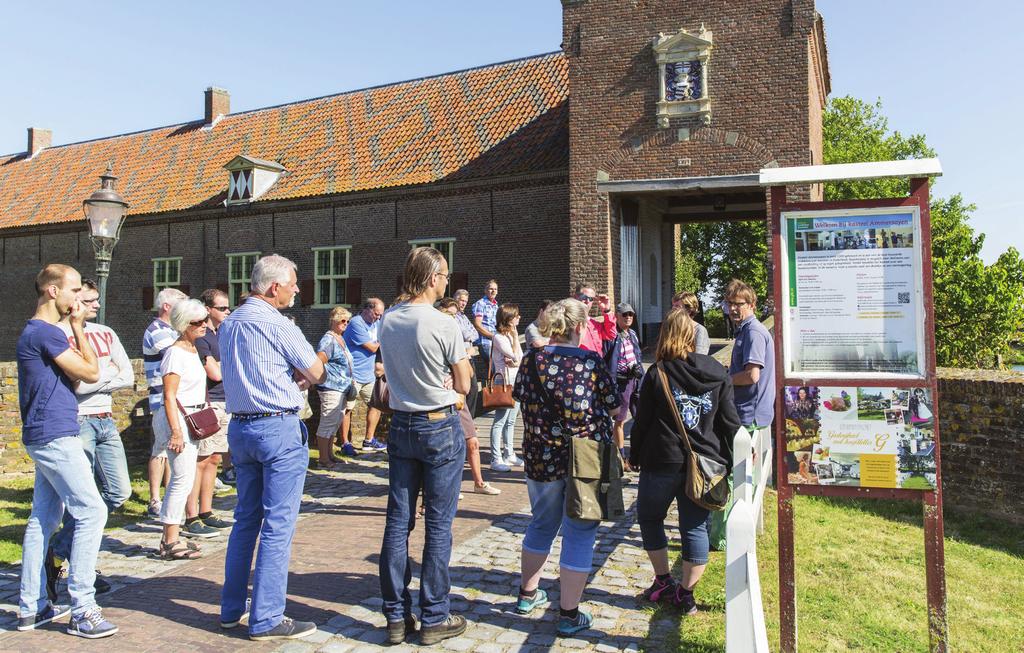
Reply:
x=534, y=340
x=421, y=348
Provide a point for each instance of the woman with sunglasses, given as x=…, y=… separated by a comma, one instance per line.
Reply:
x=335, y=409
x=184, y=383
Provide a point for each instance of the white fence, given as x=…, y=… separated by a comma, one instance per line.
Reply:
x=745, y=630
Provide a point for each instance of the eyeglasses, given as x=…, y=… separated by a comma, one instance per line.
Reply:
x=94, y=300
x=198, y=323
x=447, y=276
x=628, y=314
x=342, y=321
x=222, y=309
x=736, y=304
x=585, y=298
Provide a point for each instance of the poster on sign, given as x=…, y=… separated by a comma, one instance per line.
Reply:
x=860, y=436
x=854, y=293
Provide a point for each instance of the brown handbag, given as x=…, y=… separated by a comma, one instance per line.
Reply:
x=201, y=424
x=380, y=398
x=497, y=395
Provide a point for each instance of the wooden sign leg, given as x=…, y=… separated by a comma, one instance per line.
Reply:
x=935, y=569
x=787, y=581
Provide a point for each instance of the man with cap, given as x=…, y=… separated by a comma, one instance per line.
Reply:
x=622, y=353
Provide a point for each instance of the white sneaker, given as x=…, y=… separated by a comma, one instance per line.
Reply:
x=498, y=466
x=514, y=461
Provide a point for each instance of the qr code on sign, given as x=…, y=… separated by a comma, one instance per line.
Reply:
x=903, y=298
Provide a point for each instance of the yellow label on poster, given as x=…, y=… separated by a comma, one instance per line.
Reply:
x=877, y=470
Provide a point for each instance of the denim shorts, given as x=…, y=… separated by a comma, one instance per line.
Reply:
x=547, y=503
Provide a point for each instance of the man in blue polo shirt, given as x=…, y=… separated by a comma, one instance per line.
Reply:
x=361, y=339
x=48, y=369
x=753, y=359
x=262, y=351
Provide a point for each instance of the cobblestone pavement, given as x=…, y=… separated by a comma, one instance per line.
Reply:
x=333, y=580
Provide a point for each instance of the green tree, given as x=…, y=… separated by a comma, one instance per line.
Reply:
x=713, y=253
x=979, y=308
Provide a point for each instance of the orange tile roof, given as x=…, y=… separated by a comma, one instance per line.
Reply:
x=505, y=118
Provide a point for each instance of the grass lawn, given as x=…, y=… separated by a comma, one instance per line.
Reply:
x=861, y=586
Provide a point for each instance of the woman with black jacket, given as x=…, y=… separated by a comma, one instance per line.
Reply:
x=702, y=391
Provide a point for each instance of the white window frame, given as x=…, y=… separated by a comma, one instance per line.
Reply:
x=330, y=278
x=245, y=282
x=160, y=285
x=433, y=242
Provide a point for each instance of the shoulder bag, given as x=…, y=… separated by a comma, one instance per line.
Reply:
x=707, y=480
x=201, y=424
x=593, y=490
x=380, y=398
x=351, y=393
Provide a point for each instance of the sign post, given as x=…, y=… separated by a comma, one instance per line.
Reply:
x=857, y=411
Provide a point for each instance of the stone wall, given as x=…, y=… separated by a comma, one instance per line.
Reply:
x=981, y=422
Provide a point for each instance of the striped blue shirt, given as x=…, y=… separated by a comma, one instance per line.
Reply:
x=259, y=349
x=158, y=337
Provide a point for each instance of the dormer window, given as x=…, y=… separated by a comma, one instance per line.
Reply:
x=249, y=177
x=682, y=60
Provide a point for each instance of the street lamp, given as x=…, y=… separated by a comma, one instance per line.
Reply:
x=104, y=210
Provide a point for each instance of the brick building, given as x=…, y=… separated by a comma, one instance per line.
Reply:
x=539, y=172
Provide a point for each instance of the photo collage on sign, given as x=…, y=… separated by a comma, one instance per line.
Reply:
x=860, y=436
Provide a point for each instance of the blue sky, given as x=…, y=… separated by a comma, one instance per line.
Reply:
x=88, y=70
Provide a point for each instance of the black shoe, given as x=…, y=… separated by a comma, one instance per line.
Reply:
x=399, y=630
x=52, y=566
x=287, y=629
x=453, y=626
x=101, y=586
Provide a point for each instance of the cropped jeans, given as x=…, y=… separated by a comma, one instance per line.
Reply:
x=270, y=455
x=547, y=504
x=655, y=494
x=425, y=450
x=102, y=444
x=63, y=478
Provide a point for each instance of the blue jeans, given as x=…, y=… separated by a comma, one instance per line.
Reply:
x=63, y=478
x=105, y=451
x=503, y=433
x=270, y=457
x=547, y=503
x=428, y=453
x=653, y=499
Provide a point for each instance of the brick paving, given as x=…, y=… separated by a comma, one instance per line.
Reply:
x=333, y=579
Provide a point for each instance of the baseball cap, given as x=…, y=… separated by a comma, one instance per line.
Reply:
x=625, y=307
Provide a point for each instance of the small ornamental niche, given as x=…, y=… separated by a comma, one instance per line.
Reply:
x=249, y=177
x=682, y=60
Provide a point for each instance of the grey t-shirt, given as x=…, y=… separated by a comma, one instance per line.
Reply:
x=418, y=345
x=754, y=403
x=533, y=333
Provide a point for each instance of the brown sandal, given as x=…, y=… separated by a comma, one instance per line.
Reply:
x=180, y=551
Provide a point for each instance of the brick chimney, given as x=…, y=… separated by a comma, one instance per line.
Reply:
x=38, y=139
x=218, y=103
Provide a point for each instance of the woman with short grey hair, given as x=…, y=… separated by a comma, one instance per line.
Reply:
x=184, y=383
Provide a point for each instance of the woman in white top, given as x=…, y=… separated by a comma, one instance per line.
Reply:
x=184, y=390
x=506, y=354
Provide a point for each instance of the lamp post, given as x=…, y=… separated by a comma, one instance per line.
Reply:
x=104, y=210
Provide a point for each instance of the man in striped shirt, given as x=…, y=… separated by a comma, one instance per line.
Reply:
x=265, y=363
x=158, y=337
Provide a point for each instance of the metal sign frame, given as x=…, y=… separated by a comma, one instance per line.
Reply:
x=931, y=499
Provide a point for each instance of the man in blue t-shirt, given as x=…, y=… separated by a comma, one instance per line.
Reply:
x=753, y=359
x=48, y=369
x=361, y=339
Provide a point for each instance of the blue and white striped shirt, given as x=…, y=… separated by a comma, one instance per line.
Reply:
x=158, y=337
x=259, y=349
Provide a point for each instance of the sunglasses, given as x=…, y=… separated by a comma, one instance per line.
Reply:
x=198, y=323
x=222, y=309
x=585, y=298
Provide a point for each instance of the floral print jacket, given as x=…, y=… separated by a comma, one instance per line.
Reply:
x=564, y=392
